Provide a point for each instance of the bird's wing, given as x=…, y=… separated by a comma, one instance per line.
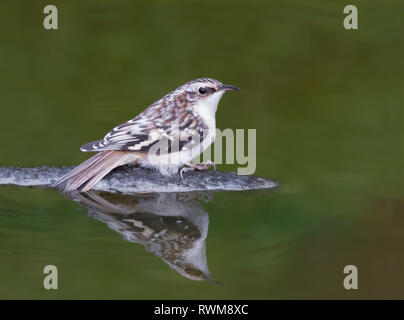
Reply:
x=142, y=132
x=127, y=136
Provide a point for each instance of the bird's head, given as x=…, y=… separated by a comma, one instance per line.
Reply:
x=202, y=94
x=206, y=87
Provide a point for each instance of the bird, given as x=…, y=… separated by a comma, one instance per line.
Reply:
x=166, y=136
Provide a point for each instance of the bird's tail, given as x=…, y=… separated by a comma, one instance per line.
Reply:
x=90, y=172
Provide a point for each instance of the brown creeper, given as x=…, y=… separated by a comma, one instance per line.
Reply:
x=166, y=136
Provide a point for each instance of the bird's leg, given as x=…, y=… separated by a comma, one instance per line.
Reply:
x=199, y=167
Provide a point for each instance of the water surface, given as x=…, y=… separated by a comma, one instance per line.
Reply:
x=327, y=105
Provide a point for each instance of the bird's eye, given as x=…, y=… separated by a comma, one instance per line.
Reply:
x=202, y=90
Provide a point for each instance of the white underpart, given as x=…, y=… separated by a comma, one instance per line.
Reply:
x=169, y=164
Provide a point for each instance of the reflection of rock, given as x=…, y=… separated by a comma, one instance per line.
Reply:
x=171, y=226
x=133, y=179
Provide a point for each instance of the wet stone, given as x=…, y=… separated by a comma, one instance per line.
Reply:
x=130, y=179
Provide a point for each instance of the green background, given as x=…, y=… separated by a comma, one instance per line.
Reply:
x=327, y=104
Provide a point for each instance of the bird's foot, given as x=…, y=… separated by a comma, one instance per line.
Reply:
x=199, y=167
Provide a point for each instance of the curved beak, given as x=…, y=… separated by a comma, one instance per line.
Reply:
x=228, y=87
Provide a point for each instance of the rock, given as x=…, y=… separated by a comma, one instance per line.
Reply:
x=130, y=179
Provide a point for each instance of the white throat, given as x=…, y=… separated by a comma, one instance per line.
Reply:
x=206, y=109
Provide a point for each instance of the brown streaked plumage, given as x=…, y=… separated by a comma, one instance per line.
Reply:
x=181, y=124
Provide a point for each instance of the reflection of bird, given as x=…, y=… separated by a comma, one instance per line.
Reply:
x=167, y=135
x=173, y=227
